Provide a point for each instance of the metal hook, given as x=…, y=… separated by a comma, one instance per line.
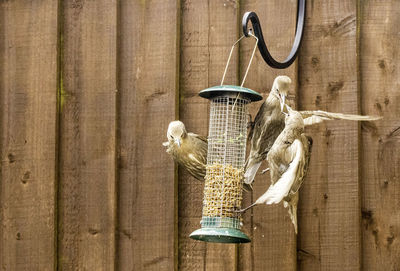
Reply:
x=262, y=47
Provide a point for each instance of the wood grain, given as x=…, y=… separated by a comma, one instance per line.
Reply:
x=28, y=121
x=209, y=28
x=87, y=89
x=329, y=213
x=148, y=60
x=87, y=189
x=380, y=84
x=268, y=225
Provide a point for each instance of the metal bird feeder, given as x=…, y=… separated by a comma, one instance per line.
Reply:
x=227, y=137
x=225, y=161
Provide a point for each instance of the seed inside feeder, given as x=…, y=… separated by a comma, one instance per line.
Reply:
x=223, y=191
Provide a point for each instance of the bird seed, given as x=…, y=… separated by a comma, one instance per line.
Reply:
x=222, y=191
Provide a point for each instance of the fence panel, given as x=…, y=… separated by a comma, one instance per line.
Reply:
x=88, y=88
x=148, y=85
x=28, y=125
x=380, y=84
x=87, y=190
x=329, y=213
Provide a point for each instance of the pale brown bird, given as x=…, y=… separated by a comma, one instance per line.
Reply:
x=270, y=121
x=288, y=161
x=268, y=124
x=187, y=149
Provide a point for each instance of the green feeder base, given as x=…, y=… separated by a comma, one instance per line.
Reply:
x=220, y=235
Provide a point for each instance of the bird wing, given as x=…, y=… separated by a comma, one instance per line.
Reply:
x=318, y=116
x=277, y=191
x=302, y=171
x=199, y=148
x=264, y=138
x=314, y=120
x=266, y=129
x=250, y=173
x=264, y=112
x=202, y=138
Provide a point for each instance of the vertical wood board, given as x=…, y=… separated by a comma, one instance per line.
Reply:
x=273, y=245
x=148, y=59
x=28, y=121
x=329, y=217
x=380, y=84
x=87, y=190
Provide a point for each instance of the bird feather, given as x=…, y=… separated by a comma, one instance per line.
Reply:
x=202, y=138
x=318, y=116
x=251, y=173
x=281, y=188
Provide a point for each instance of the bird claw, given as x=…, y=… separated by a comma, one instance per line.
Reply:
x=240, y=211
x=247, y=187
x=245, y=209
x=264, y=171
x=250, y=118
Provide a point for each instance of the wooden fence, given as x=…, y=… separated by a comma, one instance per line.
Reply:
x=87, y=89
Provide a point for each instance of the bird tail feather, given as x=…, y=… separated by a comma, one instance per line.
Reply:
x=293, y=210
x=277, y=191
x=250, y=173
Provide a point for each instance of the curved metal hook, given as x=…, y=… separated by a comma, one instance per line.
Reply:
x=262, y=47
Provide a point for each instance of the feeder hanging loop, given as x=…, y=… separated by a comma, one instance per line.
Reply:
x=262, y=47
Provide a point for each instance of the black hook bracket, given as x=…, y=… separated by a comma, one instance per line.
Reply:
x=262, y=47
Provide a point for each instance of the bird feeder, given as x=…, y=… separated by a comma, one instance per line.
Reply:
x=225, y=161
x=227, y=136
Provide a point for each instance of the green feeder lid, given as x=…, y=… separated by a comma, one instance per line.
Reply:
x=222, y=90
x=220, y=235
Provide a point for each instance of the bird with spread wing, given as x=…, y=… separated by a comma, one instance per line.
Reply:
x=270, y=121
x=288, y=160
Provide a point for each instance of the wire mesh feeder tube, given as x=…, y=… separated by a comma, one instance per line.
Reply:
x=225, y=161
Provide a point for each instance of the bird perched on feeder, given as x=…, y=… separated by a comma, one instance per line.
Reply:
x=187, y=149
x=268, y=124
x=288, y=161
x=270, y=121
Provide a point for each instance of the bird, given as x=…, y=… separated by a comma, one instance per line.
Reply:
x=268, y=124
x=270, y=121
x=189, y=150
x=288, y=161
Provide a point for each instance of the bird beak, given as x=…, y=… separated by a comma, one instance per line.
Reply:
x=282, y=99
x=178, y=142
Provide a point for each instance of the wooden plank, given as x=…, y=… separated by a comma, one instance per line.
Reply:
x=273, y=245
x=148, y=75
x=28, y=120
x=209, y=28
x=329, y=213
x=87, y=192
x=380, y=82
